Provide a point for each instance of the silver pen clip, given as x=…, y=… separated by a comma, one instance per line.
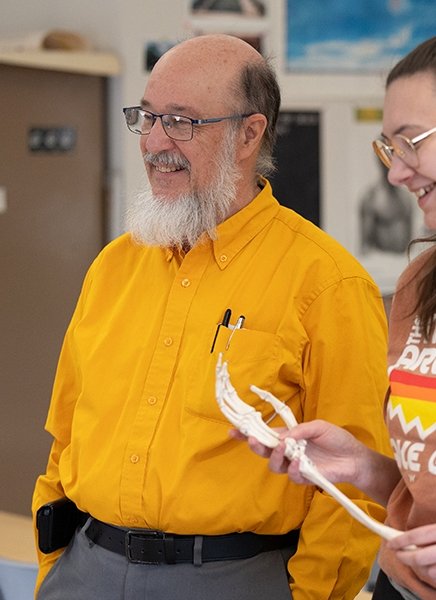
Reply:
x=239, y=324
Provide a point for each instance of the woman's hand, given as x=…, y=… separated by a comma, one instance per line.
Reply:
x=332, y=449
x=422, y=560
x=337, y=454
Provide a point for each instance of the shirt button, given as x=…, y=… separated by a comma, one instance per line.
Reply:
x=186, y=282
x=152, y=400
x=133, y=520
x=223, y=258
x=168, y=341
x=134, y=459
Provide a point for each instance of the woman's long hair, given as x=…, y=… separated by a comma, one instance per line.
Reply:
x=422, y=59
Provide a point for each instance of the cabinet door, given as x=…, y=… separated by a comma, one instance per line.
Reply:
x=51, y=227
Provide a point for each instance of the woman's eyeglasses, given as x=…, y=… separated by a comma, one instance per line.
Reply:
x=402, y=146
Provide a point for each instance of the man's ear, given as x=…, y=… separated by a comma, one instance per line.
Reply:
x=252, y=132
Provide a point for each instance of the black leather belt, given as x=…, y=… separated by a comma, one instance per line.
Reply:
x=157, y=547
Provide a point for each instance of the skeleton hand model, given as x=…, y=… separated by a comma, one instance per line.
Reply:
x=249, y=422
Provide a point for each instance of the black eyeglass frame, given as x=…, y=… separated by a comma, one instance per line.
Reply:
x=385, y=152
x=193, y=122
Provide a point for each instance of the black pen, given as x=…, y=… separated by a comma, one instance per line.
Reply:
x=226, y=318
x=225, y=322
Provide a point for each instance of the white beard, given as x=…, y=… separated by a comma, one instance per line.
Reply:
x=180, y=222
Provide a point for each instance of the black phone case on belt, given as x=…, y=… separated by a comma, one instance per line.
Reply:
x=56, y=523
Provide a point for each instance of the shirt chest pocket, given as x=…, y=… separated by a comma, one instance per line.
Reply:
x=252, y=358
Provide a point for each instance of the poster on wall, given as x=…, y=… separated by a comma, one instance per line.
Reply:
x=154, y=50
x=383, y=218
x=359, y=36
x=246, y=19
x=248, y=8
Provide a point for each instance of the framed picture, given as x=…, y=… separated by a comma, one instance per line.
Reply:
x=373, y=219
x=246, y=8
x=247, y=19
x=358, y=36
x=153, y=52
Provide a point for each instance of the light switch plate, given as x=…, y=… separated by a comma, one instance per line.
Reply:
x=3, y=200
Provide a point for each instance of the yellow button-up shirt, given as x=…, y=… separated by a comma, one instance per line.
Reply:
x=139, y=440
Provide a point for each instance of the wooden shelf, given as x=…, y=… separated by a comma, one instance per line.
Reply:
x=87, y=63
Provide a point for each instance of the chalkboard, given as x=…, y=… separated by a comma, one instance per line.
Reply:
x=296, y=183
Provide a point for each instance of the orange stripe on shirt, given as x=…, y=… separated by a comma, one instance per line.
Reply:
x=413, y=391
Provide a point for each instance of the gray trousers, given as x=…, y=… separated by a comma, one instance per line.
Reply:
x=86, y=571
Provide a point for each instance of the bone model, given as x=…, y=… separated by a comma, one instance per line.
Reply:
x=250, y=423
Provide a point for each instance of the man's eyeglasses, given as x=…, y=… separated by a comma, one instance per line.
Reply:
x=177, y=127
x=402, y=146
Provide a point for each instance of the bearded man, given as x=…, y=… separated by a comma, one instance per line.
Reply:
x=211, y=263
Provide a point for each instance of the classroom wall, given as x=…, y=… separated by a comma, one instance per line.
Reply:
x=125, y=27
x=119, y=26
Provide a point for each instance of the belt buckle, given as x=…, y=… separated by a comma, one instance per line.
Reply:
x=151, y=535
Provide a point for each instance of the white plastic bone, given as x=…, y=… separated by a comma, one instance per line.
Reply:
x=249, y=422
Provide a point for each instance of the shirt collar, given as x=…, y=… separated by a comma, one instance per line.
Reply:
x=239, y=229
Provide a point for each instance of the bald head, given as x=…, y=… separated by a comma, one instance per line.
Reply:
x=221, y=53
x=218, y=43
x=216, y=75
x=211, y=64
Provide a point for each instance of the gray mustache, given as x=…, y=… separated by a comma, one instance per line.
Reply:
x=166, y=159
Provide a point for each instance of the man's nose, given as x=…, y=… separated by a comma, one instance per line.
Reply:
x=157, y=140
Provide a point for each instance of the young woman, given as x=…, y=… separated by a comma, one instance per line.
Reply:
x=406, y=485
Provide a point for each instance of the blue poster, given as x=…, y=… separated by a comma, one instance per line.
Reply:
x=346, y=36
